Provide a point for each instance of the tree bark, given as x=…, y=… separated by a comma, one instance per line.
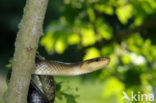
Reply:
x=30, y=30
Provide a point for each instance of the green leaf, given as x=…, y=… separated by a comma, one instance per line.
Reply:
x=69, y=98
x=9, y=65
x=126, y=58
x=91, y=53
x=88, y=36
x=124, y=13
x=60, y=46
x=104, y=8
x=91, y=14
x=74, y=39
x=107, y=50
x=47, y=41
x=103, y=29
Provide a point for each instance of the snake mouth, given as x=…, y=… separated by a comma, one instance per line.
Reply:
x=104, y=61
x=98, y=59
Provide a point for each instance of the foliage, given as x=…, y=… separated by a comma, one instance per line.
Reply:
x=85, y=24
x=61, y=93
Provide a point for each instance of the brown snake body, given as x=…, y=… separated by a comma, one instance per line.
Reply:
x=44, y=67
x=43, y=80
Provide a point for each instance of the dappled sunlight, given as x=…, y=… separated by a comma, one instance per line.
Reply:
x=88, y=36
x=91, y=53
x=137, y=60
x=60, y=46
x=47, y=42
x=74, y=39
x=124, y=13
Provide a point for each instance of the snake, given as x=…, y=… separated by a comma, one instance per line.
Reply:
x=56, y=68
x=42, y=79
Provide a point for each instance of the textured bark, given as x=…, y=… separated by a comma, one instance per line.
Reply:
x=30, y=30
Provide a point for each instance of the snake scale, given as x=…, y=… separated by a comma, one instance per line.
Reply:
x=44, y=67
x=43, y=83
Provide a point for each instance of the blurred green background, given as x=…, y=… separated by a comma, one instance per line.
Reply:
x=75, y=30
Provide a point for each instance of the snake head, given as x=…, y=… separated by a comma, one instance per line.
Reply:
x=96, y=63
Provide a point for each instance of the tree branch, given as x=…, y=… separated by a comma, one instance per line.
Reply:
x=30, y=30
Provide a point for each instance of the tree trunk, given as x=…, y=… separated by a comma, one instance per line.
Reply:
x=30, y=30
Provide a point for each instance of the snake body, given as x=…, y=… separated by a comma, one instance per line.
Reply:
x=44, y=67
x=43, y=81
